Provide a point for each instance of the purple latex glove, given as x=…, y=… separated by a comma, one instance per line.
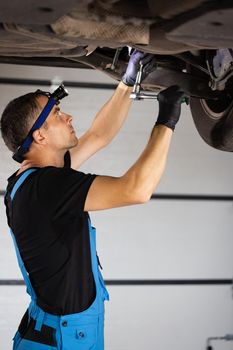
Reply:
x=149, y=64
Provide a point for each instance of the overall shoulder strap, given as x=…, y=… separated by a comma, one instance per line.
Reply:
x=20, y=181
x=27, y=281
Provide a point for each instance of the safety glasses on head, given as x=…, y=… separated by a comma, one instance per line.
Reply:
x=53, y=99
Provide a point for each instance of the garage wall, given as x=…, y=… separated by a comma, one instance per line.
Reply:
x=161, y=240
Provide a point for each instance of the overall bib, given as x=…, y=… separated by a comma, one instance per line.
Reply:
x=79, y=331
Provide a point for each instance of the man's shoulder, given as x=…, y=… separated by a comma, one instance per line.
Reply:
x=42, y=175
x=55, y=175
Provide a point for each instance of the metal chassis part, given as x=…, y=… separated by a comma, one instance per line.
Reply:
x=161, y=78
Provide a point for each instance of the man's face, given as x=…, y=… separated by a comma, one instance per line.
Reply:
x=57, y=129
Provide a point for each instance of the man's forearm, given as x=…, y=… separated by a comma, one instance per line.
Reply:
x=146, y=173
x=112, y=115
x=148, y=169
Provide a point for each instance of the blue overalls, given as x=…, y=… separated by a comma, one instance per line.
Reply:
x=80, y=331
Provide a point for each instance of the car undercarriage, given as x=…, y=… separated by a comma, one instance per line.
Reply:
x=192, y=41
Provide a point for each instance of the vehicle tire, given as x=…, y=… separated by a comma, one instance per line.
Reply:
x=214, y=120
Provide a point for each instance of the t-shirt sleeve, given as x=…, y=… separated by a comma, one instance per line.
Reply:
x=63, y=191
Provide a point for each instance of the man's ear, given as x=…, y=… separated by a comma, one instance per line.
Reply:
x=38, y=136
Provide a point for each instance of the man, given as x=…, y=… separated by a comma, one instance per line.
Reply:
x=48, y=200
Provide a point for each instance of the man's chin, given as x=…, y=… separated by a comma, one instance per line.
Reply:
x=74, y=143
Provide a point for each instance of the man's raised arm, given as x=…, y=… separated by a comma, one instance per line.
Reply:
x=112, y=115
x=139, y=182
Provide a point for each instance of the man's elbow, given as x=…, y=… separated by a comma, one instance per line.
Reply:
x=140, y=197
x=144, y=198
x=136, y=192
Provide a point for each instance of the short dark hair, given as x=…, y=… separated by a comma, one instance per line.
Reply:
x=18, y=118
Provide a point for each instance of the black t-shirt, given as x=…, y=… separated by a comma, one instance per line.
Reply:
x=51, y=229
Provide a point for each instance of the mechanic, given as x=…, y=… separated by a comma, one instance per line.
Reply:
x=48, y=201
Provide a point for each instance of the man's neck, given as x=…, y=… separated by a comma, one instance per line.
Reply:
x=56, y=160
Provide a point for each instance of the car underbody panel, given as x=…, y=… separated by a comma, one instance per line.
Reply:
x=49, y=29
x=192, y=41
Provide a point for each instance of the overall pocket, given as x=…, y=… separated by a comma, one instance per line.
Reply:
x=86, y=336
x=81, y=336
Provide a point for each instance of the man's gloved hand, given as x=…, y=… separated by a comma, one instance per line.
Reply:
x=148, y=62
x=170, y=106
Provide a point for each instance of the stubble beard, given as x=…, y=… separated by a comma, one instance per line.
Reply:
x=74, y=143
